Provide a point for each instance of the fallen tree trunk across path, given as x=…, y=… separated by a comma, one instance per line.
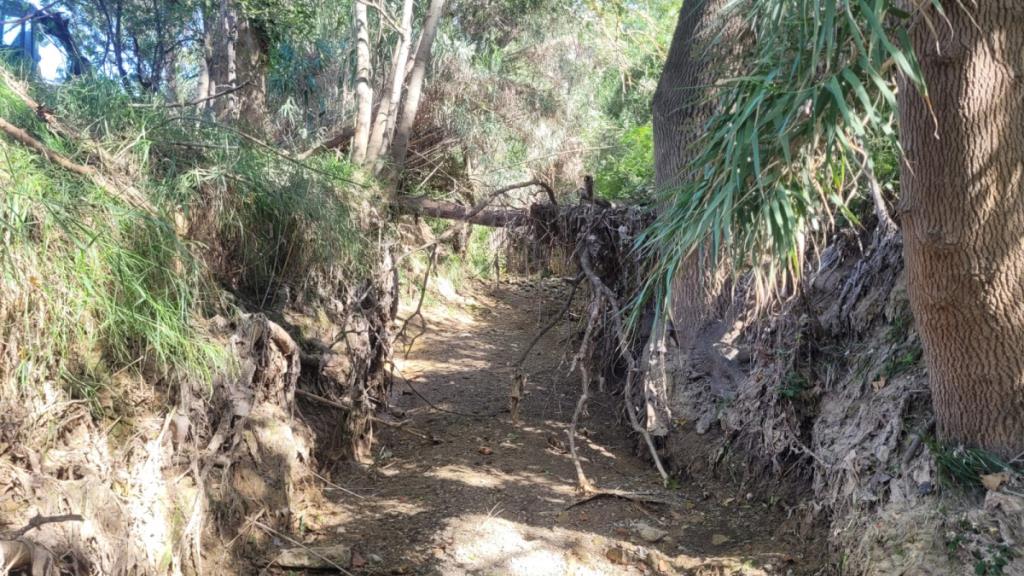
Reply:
x=494, y=217
x=479, y=214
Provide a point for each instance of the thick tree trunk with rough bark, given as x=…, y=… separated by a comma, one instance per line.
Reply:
x=364, y=91
x=682, y=105
x=400, y=146
x=962, y=213
x=383, y=124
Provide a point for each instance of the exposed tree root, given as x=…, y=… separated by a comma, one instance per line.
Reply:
x=632, y=371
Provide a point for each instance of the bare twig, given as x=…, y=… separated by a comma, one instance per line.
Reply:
x=408, y=382
x=295, y=542
x=631, y=496
x=519, y=376
x=197, y=101
x=553, y=323
x=348, y=408
x=582, y=360
x=38, y=521
x=419, y=304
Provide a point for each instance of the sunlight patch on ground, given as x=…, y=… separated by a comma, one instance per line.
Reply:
x=495, y=479
x=478, y=544
x=497, y=546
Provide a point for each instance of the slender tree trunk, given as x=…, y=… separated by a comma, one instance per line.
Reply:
x=252, y=61
x=364, y=91
x=238, y=55
x=224, y=72
x=962, y=210
x=383, y=123
x=403, y=131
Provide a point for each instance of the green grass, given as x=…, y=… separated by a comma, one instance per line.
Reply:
x=94, y=288
x=962, y=467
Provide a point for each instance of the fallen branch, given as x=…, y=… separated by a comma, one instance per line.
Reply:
x=335, y=141
x=553, y=323
x=38, y=521
x=582, y=360
x=17, y=554
x=419, y=304
x=295, y=542
x=496, y=218
x=127, y=195
x=197, y=101
x=519, y=376
x=348, y=408
x=631, y=496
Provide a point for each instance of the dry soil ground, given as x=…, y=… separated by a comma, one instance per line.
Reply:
x=476, y=494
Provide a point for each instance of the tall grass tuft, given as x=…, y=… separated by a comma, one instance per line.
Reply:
x=93, y=288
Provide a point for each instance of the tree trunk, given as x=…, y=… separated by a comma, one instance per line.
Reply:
x=962, y=210
x=238, y=56
x=364, y=91
x=681, y=106
x=252, y=61
x=383, y=123
x=223, y=74
x=400, y=146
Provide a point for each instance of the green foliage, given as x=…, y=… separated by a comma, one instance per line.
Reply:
x=986, y=559
x=962, y=467
x=93, y=287
x=97, y=288
x=794, y=385
x=280, y=223
x=626, y=172
x=788, y=143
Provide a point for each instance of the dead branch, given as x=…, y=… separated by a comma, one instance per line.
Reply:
x=336, y=141
x=550, y=325
x=419, y=304
x=295, y=542
x=519, y=376
x=582, y=360
x=631, y=496
x=38, y=521
x=496, y=218
x=27, y=140
x=197, y=101
x=340, y=405
x=127, y=195
x=17, y=554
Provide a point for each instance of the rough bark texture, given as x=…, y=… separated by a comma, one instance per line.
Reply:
x=962, y=212
x=364, y=92
x=383, y=124
x=403, y=131
x=682, y=105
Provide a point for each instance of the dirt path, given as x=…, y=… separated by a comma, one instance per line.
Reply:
x=479, y=495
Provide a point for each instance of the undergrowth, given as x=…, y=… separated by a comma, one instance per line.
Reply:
x=94, y=288
x=91, y=286
x=963, y=467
